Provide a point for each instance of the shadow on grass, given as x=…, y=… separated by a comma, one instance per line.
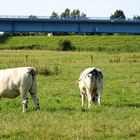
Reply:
x=132, y=105
x=16, y=135
x=5, y=136
x=72, y=110
x=61, y=109
x=135, y=105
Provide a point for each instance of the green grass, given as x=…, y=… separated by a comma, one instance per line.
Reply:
x=125, y=43
x=60, y=116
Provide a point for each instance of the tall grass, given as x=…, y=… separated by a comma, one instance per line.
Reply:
x=60, y=116
x=26, y=60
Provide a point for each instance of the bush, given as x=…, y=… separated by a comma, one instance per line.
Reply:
x=65, y=45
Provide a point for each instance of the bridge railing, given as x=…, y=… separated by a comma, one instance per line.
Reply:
x=33, y=17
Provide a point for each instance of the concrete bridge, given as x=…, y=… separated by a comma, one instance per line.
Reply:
x=78, y=25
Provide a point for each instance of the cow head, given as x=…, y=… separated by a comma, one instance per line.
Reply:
x=95, y=98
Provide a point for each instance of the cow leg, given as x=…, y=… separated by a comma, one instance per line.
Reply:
x=99, y=97
x=24, y=99
x=89, y=99
x=35, y=100
x=99, y=100
x=83, y=100
x=33, y=92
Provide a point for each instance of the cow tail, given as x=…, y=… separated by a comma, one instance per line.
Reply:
x=94, y=72
x=97, y=74
x=32, y=72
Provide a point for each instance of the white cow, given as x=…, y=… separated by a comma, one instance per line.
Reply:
x=19, y=81
x=91, y=83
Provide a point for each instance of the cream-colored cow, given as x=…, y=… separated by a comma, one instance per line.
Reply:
x=91, y=83
x=19, y=81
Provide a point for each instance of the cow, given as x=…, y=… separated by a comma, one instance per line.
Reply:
x=90, y=84
x=19, y=81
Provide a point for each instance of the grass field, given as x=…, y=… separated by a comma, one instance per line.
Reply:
x=125, y=43
x=60, y=116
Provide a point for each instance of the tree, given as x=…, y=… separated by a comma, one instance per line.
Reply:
x=83, y=15
x=54, y=15
x=136, y=17
x=118, y=14
x=66, y=13
x=75, y=13
x=33, y=17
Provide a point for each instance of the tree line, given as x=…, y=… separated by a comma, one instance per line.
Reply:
x=76, y=13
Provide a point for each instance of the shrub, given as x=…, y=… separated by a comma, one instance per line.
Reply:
x=65, y=45
x=43, y=70
x=56, y=70
x=27, y=47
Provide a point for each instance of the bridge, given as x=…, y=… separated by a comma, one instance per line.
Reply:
x=78, y=25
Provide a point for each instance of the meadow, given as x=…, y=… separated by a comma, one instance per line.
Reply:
x=129, y=43
x=60, y=116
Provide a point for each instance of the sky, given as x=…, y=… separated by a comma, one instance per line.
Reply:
x=92, y=8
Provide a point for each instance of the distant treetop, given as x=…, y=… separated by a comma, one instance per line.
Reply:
x=118, y=14
x=69, y=14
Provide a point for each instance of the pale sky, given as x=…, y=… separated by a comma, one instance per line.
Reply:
x=92, y=8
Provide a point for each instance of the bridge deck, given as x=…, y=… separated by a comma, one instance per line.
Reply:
x=51, y=24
